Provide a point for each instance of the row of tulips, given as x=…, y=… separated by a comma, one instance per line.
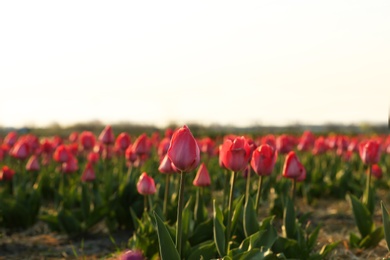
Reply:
x=118, y=183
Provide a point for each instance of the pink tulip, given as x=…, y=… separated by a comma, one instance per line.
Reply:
x=235, y=154
x=145, y=185
x=263, y=160
x=202, y=178
x=292, y=167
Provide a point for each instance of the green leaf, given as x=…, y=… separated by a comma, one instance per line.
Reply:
x=251, y=224
x=326, y=249
x=219, y=231
x=313, y=238
x=168, y=250
x=289, y=219
x=369, y=200
x=202, y=232
x=269, y=235
x=237, y=212
x=372, y=239
x=205, y=250
x=362, y=217
x=187, y=220
x=354, y=240
x=68, y=222
x=386, y=224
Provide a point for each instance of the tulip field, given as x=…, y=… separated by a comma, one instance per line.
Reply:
x=175, y=195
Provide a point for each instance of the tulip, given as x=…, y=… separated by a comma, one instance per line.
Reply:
x=61, y=154
x=123, y=141
x=73, y=137
x=88, y=173
x=11, y=138
x=263, y=162
x=93, y=157
x=163, y=147
x=87, y=140
x=183, y=150
x=185, y=155
x=107, y=136
x=202, y=178
x=141, y=145
x=235, y=154
x=71, y=165
x=166, y=167
x=146, y=186
x=320, y=146
x=20, y=150
x=283, y=144
x=132, y=255
x=376, y=171
x=33, y=164
x=6, y=174
x=369, y=152
x=293, y=169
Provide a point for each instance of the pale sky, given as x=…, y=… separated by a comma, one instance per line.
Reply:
x=227, y=62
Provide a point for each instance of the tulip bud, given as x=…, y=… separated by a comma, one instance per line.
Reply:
x=202, y=178
x=184, y=150
x=88, y=173
x=292, y=168
x=369, y=152
x=145, y=185
x=235, y=154
x=107, y=135
x=263, y=160
x=6, y=174
x=32, y=164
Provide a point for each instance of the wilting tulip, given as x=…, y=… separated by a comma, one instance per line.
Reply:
x=376, y=171
x=6, y=174
x=123, y=141
x=87, y=140
x=131, y=255
x=88, y=173
x=202, y=178
x=235, y=154
x=184, y=150
x=61, y=154
x=369, y=152
x=107, y=136
x=33, y=164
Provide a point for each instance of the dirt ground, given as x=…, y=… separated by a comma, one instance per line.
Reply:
x=38, y=242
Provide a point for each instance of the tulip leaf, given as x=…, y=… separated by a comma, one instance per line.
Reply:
x=289, y=219
x=372, y=239
x=168, y=250
x=386, y=224
x=362, y=216
x=219, y=231
x=237, y=212
x=202, y=232
x=205, y=250
x=251, y=224
x=369, y=199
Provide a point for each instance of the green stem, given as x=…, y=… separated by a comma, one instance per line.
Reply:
x=259, y=186
x=166, y=194
x=180, y=213
x=145, y=203
x=225, y=190
x=248, y=183
x=230, y=211
x=293, y=189
x=368, y=184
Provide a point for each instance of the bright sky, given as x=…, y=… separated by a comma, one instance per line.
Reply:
x=228, y=62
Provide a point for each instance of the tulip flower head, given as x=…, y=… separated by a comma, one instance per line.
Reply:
x=202, y=178
x=145, y=185
x=292, y=167
x=235, y=153
x=369, y=152
x=6, y=174
x=123, y=141
x=166, y=166
x=107, y=136
x=263, y=160
x=183, y=150
x=20, y=150
x=376, y=171
x=33, y=164
x=88, y=173
x=61, y=154
x=87, y=140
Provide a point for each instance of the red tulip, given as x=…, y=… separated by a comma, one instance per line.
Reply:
x=73, y=137
x=202, y=178
x=283, y=144
x=47, y=146
x=270, y=140
x=93, y=157
x=123, y=141
x=263, y=160
x=61, y=154
x=11, y=138
x=163, y=147
x=107, y=135
x=166, y=165
x=71, y=165
x=145, y=185
x=141, y=145
x=130, y=155
x=87, y=140
x=207, y=146
x=6, y=174
x=369, y=152
x=292, y=167
x=33, y=164
x=21, y=150
x=306, y=141
x=376, y=171
x=235, y=154
x=320, y=146
x=88, y=173
x=183, y=150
